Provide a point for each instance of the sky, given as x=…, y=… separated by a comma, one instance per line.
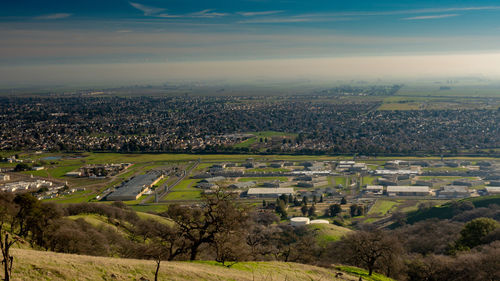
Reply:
x=115, y=41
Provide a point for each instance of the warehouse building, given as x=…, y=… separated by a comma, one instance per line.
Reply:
x=403, y=190
x=453, y=191
x=135, y=187
x=269, y=192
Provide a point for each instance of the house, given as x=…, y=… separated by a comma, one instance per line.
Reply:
x=37, y=168
x=4, y=177
x=269, y=192
x=404, y=190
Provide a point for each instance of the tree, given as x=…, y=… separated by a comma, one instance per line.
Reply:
x=312, y=211
x=304, y=210
x=22, y=167
x=474, y=231
x=366, y=248
x=333, y=210
x=7, y=240
x=304, y=200
x=343, y=201
x=199, y=225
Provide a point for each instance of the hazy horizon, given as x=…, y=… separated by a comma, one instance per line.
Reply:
x=154, y=41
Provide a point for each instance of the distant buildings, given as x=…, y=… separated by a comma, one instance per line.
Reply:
x=24, y=185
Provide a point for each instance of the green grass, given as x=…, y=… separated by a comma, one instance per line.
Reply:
x=77, y=197
x=246, y=143
x=267, y=170
x=363, y=273
x=341, y=180
x=329, y=232
x=263, y=134
x=382, y=207
x=150, y=208
x=185, y=190
x=367, y=180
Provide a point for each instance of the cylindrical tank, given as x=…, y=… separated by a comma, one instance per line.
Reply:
x=299, y=221
x=319, y=222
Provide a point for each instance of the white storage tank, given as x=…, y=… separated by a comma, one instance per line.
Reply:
x=319, y=222
x=299, y=221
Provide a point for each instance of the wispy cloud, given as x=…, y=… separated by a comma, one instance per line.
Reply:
x=275, y=20
x=208, y=13
x=262, y=13
x=402, y=12
x=430, y=17
x=147, y=10
x=157, y=12
x=54, y=16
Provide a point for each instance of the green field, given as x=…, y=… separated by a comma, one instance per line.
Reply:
x=264, y=134
x=185, y=190
x=381, y=207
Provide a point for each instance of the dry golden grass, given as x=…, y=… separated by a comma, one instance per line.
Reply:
x=37, y=265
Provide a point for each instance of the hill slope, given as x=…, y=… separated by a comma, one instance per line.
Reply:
x=37, y=265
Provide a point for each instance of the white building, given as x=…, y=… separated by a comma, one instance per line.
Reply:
x=269, y=192
x=408, y=190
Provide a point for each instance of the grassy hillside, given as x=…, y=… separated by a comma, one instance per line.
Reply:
x=447, y=210
x=329, y=232
x=35, y=265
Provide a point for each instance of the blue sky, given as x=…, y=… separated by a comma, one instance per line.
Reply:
x=90, y=32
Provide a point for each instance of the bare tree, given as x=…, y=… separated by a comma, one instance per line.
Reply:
x=200, y=225
x=366, y=248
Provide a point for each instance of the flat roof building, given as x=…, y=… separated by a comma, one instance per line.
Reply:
x=493, y=190
x=403, y=190
x=453, y=191
x=375, y=189
x=135, y=187
x=269, y=192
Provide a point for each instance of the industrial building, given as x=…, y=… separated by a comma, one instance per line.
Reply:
x=246, y=184
x=135, y=187
x=269, y=192
x=453, y=191
x=374, y=189
x=493, y=190
x=403, y=190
